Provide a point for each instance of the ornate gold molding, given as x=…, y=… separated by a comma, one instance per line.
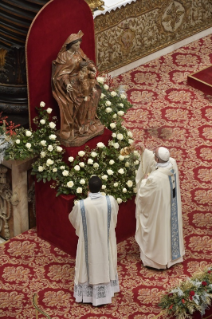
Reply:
x=95, y=4
x=143, y=27
x=7, y=200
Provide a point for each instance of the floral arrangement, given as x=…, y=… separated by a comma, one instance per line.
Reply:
x=194, y=294
x=7, y=130
x=116, y=171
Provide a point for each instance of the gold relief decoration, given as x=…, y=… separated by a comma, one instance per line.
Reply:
x=173, y=16
x=7, y=200
x=95, y=4
x=150, y=26
x=126, y=38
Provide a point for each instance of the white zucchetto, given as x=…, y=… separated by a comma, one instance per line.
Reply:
x=163, y=154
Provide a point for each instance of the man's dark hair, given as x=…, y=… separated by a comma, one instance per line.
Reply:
x=95, y=184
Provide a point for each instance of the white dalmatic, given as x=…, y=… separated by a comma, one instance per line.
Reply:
x=96, y=278
x=159, y=231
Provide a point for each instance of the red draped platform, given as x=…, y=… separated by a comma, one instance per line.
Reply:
x=202, y=80
x=52, y=212
x=49, y=30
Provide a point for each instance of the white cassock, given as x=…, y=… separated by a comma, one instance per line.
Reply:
x=96, y=278
x=159, y=232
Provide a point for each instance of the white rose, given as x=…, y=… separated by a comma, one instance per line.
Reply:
x=77, y=168
x=106, y=87
x=42, y=122
x=65, y=173
x=110, y=143
x=121, y=171
x=108, y=103
x=81, y=153
x=49, y=162
x=102, y=96
x=123, y=96
x=49, y=110
x=120, y=136
x=18, y=141
x=95, y=165
x=42, y=104
x=120, y=113
x=82, y=181
x=100, y=79
x=52, y=137
x=112, y=125
x=40, y=168
x=54, y=170
x=129, y=134
x=127, y=164
x=121, y=157
x=76, y=202
x=59, y=148
x=42, y=154
x=94, y=154
x=121, y=104
x=105, y=177
x=70, y=184
x=28, y=145
x=79, y=190
x=90, y=161
x=124, y=190
x=108, y=110
x=136, y=153
x=114, y=116
x=100, y=145
x=81, y=164
x=116, y=145
x=103, y=186
x=43, y=143
x=116, y=184
x=113, y=93
x=28, y=133
x=62, y=167
x=110, y=172
x=119, y=200
x=103, y=193
x=111, y=162
x=129, y=183
x=52, y=125
x=113, y=134
x=50, y=148
x=135, y=190
x=130, y=141
x=70, y=159
x=136, y=162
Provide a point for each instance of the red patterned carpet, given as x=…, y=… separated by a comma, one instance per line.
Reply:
x=166, y=112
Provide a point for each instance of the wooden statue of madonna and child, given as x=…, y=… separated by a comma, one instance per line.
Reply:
x=77, y=93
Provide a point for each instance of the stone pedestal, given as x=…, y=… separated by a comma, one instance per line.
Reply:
x=20, y=191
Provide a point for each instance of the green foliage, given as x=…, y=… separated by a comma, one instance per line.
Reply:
x=194, y=294
x=117, y=172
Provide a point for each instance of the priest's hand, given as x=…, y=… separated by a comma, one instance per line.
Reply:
x=139, y=147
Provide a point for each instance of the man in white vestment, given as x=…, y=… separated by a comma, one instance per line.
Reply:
x=95, y=218
x=159, y=232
